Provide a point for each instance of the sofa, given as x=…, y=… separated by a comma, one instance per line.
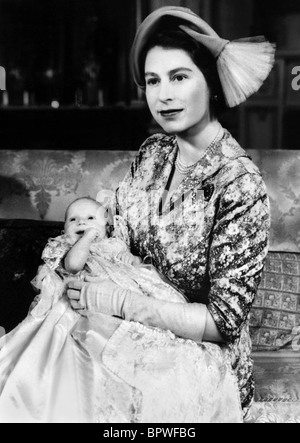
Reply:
x=37, y=185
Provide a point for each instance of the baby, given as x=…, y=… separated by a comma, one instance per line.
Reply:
x=86, y=250
x=86, y=222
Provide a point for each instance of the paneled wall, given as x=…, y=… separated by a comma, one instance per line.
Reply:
x=74, y=55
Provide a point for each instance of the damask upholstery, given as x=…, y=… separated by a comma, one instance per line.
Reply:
x=40, y=184
x=281, y=172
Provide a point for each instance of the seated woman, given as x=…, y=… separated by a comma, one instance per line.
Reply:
x=195, y=203
x=193, y=200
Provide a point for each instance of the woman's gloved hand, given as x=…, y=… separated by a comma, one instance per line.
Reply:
x=184, y=320
x=99, y=295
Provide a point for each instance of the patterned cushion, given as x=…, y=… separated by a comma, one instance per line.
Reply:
x=275, y=316
x=21, y=246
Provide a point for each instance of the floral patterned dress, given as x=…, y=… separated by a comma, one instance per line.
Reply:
x=211, y=242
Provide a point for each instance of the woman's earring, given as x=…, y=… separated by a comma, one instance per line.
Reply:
x=215, y=98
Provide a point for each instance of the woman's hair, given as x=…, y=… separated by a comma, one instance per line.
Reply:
x=170, y=38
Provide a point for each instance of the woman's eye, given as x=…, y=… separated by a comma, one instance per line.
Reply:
x=179, y=78
x=91, y=218
x=72, y=219
x=152, y=82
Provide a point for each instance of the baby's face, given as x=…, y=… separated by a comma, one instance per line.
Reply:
x=83, y=215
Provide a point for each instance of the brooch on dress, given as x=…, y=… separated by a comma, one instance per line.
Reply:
x=208, y=191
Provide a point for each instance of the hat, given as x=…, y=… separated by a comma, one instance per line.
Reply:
x=243, y=65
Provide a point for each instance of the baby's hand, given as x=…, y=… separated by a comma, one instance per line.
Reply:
x=129, y=259
x=92, y=233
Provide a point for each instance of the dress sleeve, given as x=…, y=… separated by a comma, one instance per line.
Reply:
x=55, y=252
x=238, y=251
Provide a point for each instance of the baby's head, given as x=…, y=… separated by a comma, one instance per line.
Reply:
x=85, y=213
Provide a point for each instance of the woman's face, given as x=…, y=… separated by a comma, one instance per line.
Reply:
x=177, y=92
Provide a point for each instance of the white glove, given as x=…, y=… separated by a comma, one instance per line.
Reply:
x=105, y=297
x=184, y=320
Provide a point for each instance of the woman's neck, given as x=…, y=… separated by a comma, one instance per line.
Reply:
x=192, y=145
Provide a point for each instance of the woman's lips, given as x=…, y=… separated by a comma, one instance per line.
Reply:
x=170, y=113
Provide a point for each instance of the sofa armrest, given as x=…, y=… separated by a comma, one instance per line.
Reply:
x=277, y=376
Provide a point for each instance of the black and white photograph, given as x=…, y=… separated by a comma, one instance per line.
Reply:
x=149, y=214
